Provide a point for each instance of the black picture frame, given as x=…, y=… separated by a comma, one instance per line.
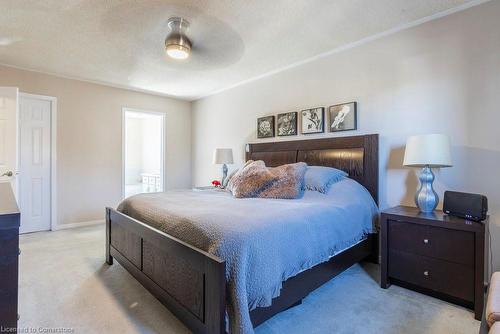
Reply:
x=262, y=132
x=347, y=124
x=305, y=127
x=287, y=127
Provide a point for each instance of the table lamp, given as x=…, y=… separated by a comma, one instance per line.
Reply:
x=223, y=156
x=427, y=151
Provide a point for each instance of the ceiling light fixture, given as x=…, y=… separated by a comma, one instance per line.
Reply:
x=177, y=44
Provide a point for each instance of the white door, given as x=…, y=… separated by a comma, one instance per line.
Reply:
x=34, y=163
x=8, y=135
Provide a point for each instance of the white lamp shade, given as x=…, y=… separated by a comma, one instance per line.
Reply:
x=428, y=150
x=223, y=156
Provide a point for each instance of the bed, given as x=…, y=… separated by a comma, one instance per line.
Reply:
x=181, y=245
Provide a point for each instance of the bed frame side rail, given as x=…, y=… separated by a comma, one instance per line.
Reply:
x=298, y=287
x=188, y=281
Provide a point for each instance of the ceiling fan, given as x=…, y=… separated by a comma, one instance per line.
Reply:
x=211, y=43
x=177, y=44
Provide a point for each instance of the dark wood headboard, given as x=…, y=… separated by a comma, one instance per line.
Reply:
x=356, y=155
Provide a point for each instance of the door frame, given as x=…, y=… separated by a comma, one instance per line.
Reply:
x=163, y=143
x=53, y=151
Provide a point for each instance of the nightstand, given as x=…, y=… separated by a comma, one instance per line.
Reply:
x=436, y=254
x=205, y=188
x=208, y=188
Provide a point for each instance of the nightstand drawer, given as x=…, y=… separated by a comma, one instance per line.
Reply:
x=441, y=276
x=436, y=242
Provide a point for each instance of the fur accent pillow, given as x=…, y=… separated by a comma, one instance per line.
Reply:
x=289, y=181
x=251, y=179
x=229, y=185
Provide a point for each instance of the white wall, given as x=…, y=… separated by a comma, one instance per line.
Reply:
x=89, y=140
x=440, y=77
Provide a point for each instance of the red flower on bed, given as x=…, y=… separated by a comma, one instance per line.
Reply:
x=216, y=183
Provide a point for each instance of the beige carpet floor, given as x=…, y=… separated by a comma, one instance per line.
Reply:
x=65, y=284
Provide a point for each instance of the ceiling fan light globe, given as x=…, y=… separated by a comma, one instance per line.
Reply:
x=177, y=44
x=177, y=51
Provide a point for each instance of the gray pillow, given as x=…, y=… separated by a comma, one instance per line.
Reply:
x=319, y=178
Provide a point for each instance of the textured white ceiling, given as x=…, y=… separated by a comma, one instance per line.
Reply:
x=120, y=42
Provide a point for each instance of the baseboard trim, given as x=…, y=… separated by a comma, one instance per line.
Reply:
x=76, y=225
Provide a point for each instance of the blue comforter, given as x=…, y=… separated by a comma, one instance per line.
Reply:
x=263, y=241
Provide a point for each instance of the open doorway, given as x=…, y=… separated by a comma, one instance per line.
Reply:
x=143, y=152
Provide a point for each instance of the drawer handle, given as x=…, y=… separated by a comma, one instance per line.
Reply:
x=426, y=241
x=426, y=273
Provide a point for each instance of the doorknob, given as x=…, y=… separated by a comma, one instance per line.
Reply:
x=8, y=173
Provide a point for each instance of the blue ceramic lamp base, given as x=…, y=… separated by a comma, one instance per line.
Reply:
x=426, y=198
x=224, y=174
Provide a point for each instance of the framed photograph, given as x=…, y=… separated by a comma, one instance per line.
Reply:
x=287, y=124
x=343, y=117
x=313, y=120
x=265, y=127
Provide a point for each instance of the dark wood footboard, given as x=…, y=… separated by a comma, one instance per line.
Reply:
x=188, y=281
